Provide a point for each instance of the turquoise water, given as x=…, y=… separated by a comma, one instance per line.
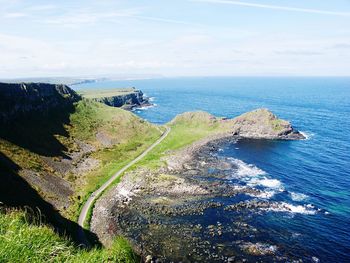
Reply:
x=311, y=176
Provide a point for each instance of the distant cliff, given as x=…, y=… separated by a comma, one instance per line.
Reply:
x=127, y=98
x=21, y=99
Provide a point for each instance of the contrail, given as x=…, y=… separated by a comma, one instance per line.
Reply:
x=275, y=7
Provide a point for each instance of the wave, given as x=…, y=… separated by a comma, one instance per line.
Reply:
x=294, y=209
x=298, y=196
x=307, y=135
x=266, y=182
x=243, y=169
x=151, y=99
x=264, y=194
x=142, y=108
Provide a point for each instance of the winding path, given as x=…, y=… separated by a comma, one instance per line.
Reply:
x=93, y=197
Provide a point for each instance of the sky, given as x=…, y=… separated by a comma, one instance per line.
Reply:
x=92, y=38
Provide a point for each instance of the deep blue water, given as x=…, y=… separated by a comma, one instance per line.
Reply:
x=313, y=175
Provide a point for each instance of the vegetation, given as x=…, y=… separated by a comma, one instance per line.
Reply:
x=101, y=93
x=185, y=129
x=24, y=239
x=123, y=136
x=132, y=134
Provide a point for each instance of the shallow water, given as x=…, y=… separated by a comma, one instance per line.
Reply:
x=312, y=177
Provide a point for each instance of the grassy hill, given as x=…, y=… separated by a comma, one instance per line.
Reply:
x=53, y=160
x=77, y=152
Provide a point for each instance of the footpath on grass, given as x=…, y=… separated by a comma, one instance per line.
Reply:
x=96, y=194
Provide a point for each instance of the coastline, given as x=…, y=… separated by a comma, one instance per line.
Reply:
x=147, y=206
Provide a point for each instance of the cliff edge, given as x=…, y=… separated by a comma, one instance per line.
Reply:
x=21, y=99
x=127, y=98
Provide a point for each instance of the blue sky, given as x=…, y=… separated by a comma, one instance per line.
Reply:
x=174, y=38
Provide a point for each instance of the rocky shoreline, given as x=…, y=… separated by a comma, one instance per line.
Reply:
x=160, y=211
x=167, y=213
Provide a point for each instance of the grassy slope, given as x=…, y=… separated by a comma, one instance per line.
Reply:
x=185, y=130
x=24, y=242
x=21, y=241
x=100, y=93
x=133, y=134
x=130, y=136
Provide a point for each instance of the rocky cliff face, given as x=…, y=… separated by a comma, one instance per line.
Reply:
x=263, y=124
x=21, y=99
x=129, y=101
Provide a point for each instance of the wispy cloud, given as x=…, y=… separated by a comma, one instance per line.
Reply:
x=90, y=17
x=298, y=53
x=15, y=15
x=42, y=7
x=275, y=7
x=340, y=46
x=165, y=20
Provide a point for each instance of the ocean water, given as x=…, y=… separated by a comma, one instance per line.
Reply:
x=311, y=178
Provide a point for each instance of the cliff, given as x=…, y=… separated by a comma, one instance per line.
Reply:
x=55, y=146
x=21, y=99
x=263, y=124
x=128, y=98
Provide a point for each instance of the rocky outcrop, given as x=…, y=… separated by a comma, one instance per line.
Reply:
x=129, y=101
x=23, y=99
x=263, y=124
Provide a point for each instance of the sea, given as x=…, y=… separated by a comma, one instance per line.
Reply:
x=311, y=178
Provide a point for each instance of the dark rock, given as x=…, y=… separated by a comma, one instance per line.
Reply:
x=18, y=100
x=134, y=99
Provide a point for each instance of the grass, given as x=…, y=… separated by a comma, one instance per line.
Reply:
x=22, y=240
x=127, y=134
x=132, y=133
x=101, y=93
x=186, y=129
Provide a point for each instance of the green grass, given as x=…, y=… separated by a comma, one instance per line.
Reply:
x=101, y=93
x=22, y=240
x=133, y=134
x=129, y=136
x=186, y=129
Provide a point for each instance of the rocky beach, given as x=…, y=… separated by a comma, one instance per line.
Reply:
x=168, y=214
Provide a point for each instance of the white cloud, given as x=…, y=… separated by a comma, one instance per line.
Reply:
x=15, y=15
x=275, y=7
x=42, y=7
x=79, y=18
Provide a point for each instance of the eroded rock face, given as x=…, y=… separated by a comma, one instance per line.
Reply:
x=129, y=101
x=21, y=99
x=263, y=124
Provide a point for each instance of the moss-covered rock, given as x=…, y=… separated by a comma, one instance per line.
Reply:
x=263, y=124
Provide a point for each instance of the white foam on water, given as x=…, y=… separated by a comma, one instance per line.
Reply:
x=315, y=259
x=294, y=209
x=244, y=169
x=152, y=98
x=266, y=182
x=147, y=107
x=298, y=196
x=307, y=135
x=264, y=194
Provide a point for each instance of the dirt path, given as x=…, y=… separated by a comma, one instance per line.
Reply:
x=93, y=197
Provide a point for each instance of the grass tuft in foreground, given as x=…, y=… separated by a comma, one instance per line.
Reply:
x=23, y=239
